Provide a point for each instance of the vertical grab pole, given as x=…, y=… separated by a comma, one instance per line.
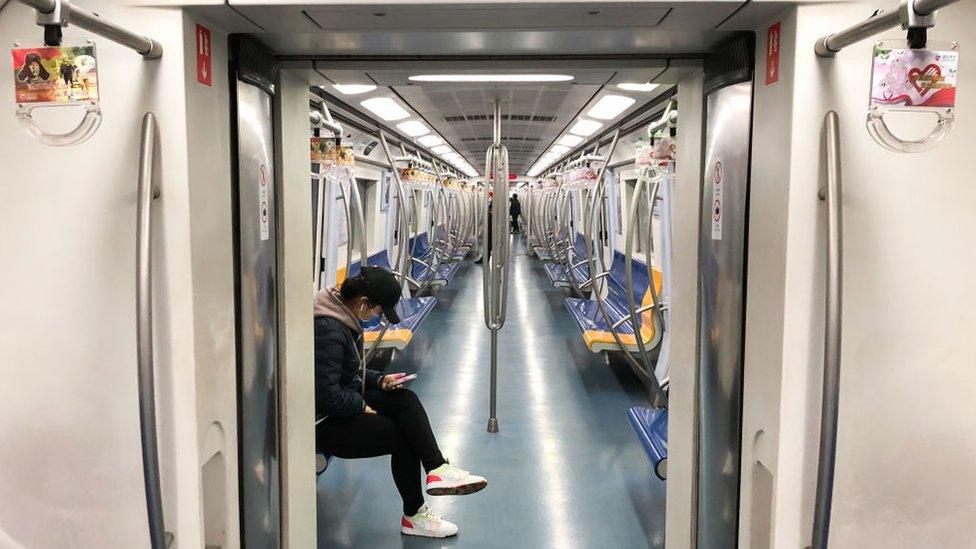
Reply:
x=144, y=333
x=832, y=335
x=495, y=270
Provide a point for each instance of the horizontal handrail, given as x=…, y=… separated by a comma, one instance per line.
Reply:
x=81, y=18
x=832, y=43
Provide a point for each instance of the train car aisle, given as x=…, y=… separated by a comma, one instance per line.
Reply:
x=564, y=471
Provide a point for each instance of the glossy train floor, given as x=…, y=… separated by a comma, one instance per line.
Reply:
x=565, y=470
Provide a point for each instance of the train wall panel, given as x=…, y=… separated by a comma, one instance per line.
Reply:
x=211, y=246
x=682, y=400
x=296, y=352
x=72, y=459
x=765, y=306
x=905, y=444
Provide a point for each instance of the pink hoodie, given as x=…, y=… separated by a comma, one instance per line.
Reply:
x=329, y=303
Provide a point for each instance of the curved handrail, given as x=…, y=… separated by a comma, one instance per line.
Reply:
x=348, y=209
x=319, y=236
x=596, y=198
x=635, y=323
x=400, y=265
x=144, y=332
x=832, y=335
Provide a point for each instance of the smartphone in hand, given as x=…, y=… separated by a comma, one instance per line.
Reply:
x=401, y=380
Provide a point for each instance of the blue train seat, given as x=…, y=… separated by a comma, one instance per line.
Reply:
x=441, y=244
x=581, y=272
x=651, y=427
x=422, y=256
x=412, y=310
x=595, y=330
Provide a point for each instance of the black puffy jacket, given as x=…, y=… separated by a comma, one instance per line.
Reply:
x=338, y=381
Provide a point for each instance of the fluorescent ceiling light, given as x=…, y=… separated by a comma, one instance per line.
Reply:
x=570, y=140
x=441, y=149
x=609, y=106
x=354, y=89
x=559, y=149
x=413, y=128
x=638, y=87
x=585, y=127
x=385, y=108
x=491, y=78
x=430, y=140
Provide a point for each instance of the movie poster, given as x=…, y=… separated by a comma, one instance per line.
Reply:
x=65, y=74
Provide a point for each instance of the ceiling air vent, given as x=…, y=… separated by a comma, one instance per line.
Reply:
x=458, y=119
x=513, y=138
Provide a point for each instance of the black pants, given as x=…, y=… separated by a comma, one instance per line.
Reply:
x=400, y=428
x=515, y=223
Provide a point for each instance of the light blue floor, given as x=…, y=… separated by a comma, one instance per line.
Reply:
x=565, y=470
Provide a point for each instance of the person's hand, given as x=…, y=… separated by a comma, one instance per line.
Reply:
x=387, y=383
x=369, y=410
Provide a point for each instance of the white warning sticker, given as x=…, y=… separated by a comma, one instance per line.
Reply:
x=717, y=205
x=264, y=204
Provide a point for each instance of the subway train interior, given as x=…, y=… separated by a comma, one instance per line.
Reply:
x=658, y=273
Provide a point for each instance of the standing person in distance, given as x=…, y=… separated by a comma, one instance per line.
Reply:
x=515, y=211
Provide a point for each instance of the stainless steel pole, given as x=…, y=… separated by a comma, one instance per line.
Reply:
x=830, y=44
x=495, y=269
x=832, y=336
x=145, y=46
x=144, y=333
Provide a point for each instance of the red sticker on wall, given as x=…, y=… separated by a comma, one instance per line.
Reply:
x=204, y=60
x=772, y=54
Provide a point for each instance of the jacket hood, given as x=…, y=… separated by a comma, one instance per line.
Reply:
x=329, y=303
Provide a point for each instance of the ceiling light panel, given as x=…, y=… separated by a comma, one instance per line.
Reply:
x=441, y=149
x=610, y=106
x=637, y=87
x=430, y=140
x=354, y=89
x=585, y=128
x=385, y=108
x=570, y=140
x=413, y=128
x=559, y=149
x=516, y=78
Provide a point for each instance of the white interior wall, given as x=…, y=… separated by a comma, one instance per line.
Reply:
x=211, y=232
x=71, y=460
x=765, y=308
x=904, y=474
x=297, y=360
x=682, y=399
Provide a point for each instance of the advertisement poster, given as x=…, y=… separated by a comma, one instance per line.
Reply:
x=55, y=75
x=325, y=151
x=913, y=78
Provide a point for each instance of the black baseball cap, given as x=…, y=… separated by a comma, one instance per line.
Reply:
x=384, y=290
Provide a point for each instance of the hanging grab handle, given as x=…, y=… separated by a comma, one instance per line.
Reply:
x=832, y=335
x=144, y=333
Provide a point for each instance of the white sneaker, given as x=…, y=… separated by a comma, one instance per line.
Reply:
x=448, y=480
x=428, y=524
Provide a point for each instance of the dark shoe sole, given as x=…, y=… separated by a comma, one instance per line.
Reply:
x=463, y=490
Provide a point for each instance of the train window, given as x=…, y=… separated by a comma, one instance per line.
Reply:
x=354, y=241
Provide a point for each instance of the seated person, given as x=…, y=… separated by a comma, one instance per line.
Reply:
x=366, y=413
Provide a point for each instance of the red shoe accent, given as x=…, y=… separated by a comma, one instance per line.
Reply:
x=433, y=478
x=406, y=523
